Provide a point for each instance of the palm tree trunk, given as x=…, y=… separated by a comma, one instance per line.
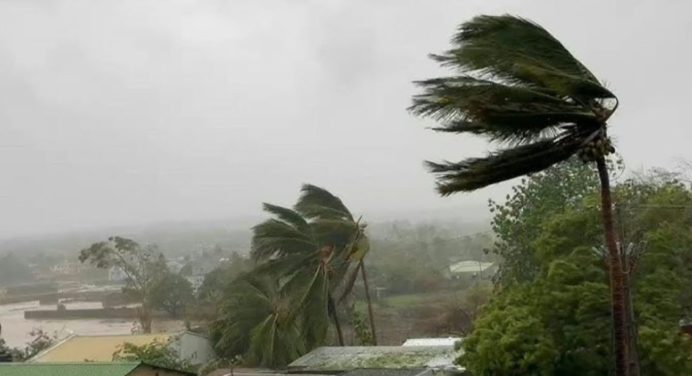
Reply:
x=371, y=316
x=616, y=274
x=335, y=317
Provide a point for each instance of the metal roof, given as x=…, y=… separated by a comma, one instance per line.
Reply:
x=449, y=341
x=67, y=369
x=470, y=266
x=97, y=348
x=335, y=359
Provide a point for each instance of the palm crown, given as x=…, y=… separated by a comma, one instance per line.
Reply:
x=517, y=85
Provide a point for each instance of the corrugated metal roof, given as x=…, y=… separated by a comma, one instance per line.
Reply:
x=93, y=348
x=470, y=266
x=67, y=369
x=336, y=359
x=450, y=341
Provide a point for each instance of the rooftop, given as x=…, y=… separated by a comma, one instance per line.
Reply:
x=449, y=341
x=335, y=359
x=470, y=266
x=99, y=348
x=67, y=369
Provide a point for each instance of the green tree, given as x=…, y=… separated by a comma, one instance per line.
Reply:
x=156, y=353
x=519, y=85
x=568, y=295
x=143, y=267
x=171, y=293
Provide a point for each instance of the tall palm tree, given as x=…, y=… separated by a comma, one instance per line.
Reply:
x=517, y=85
x=341, y=228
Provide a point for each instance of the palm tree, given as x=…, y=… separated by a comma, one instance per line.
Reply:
x=340, y=227
x=517, y=85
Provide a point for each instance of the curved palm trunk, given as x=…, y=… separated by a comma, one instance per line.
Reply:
x=371, y=316
x=616, y=274
x=332, y=312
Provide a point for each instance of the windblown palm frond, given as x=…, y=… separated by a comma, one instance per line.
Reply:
x=316, y=202
x=516, y=84
x=289, y=234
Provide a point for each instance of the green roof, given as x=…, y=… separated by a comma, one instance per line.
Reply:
x=67, y=369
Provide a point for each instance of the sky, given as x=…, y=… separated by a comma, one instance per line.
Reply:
x=137, y=111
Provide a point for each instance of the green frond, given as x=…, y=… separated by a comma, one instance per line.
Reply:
x=318, y=202
x=287, y=215
x=475, y=173
x=274, y=237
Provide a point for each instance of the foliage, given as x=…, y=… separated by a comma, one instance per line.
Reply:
x=40, y=340
x=171, y=293
x=281, y=309
x=216, y=281
x=567, y=300
x=516, y=84
x=143, y=267
x=155, y=353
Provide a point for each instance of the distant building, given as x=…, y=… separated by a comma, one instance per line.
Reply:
x=193, y=347
x=446, y=342
x=471, y=268
x=88, y=369
x=116, y=274
x=68, y=268
x=96, y=348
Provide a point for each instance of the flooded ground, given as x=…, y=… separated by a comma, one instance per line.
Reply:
x=16, y=329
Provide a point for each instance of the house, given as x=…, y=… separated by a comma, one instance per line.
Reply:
x=472, y=268
x=97, y=348
x=332, y=360
x=447, y=342
x=193, y=347
x=88, y=369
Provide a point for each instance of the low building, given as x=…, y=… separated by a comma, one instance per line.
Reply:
x=472, y=268
x=97, y=348
x=88, y=369
x=194, y=347
x=331, y=360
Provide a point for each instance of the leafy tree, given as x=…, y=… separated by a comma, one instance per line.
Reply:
x=519, y=85
x=216, y=281
x=155, y=353
x=40, y=341
x=568, y=296
x=171, y=293
x=143, y=266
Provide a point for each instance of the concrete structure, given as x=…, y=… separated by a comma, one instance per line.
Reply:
x=88, y=369
x=194, y=347
x=92, y=348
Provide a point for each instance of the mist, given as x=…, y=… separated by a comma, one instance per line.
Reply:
x=134, y=112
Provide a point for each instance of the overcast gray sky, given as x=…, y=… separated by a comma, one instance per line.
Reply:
x=136, y=111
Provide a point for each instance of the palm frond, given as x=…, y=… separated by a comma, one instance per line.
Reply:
x=318, y=202
x=274, y=237
x=474, y=173
x=287, y=215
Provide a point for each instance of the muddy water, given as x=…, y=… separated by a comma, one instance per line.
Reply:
x=16, y=329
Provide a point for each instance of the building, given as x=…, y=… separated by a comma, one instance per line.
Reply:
x=471, y=268
x=332, y=360
x=98, y=348
x=88, y=369
x=193, y=347
x=447, y=342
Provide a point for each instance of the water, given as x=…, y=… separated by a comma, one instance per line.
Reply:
x=16, y=329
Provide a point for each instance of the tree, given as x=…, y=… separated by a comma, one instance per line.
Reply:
x=517, y=84
x=143, y=267
x=568, y=295
x=282, y=308
x=171, y=293
x=156, y=353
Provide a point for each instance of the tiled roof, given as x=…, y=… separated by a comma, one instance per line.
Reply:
x=93, y=348
x=67, y=369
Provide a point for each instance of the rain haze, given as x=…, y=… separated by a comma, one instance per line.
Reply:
x=135, y=112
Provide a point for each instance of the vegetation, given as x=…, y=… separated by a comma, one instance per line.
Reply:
x=517, y=84
x=40, y=341
x=556, y=320
x=13, y=270
x=142, y=266
x=306, y=258
x=155, y=353
x=171, y=293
